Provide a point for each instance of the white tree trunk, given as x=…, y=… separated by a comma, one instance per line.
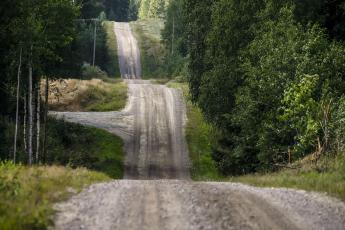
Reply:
x=30, y=114
x=44, y=147
x=24, y=126
x=38, y=121
x=17, y=108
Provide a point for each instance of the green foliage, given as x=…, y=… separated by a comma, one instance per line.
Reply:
x=112, y=66
x=117, y=10
x=88, y=72
x=80, y=146
x=27, y=194
x=73, y=145
x=101, y=100
x=152, y=8
x=152, y=52
x=301, y=111
x=81, y=50
x=328, y=176
x=252, y=70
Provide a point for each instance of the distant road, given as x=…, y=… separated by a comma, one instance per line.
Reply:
x=128, y=51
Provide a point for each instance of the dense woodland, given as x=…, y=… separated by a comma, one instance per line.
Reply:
x=269, y=75
x=43, y=40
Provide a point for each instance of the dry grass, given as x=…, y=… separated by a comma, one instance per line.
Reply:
x=87, y=95
x=28, y=193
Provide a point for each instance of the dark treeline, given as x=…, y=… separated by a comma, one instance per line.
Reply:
x=269, y=75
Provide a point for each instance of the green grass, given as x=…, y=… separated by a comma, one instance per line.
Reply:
x=113, y=66
x=80, y=146
x=148, y=35
x=102, y=99
x=198, y=136
x=27, y=194
x=328, y=176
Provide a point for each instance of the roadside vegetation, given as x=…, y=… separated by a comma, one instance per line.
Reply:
x=199, y=140
x=76, y=145
x=28, y=193
x=324, y=175
x=148, y=34
x=113, y=62
x=87, y=95
x=266, y=76
x=327, y=175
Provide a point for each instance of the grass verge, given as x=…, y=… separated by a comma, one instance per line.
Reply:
x=198, y=136
x=99, y=95
x=113, y=97
x=27, y=194
x=327, y=176
x=111, y=44
x=80, y=146
x=148, y=35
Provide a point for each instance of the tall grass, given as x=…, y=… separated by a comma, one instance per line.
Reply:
x=28, y=193
x=327, y=176
x=112, y=98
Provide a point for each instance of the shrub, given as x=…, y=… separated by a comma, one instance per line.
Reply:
x=89, y=72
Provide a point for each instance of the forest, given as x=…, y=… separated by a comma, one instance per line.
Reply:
x=268, y=75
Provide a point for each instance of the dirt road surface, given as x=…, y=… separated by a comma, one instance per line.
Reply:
x=152, y=127
x=128, y=51
x=178, y=204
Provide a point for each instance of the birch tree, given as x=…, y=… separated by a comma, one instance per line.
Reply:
x=30, y=111
x=17, y=106
x=38, y=123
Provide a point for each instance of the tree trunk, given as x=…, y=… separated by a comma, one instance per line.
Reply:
x=17, y=108
x=44, y=157
x=30, y=114
x=24, y=126
x=38, y=110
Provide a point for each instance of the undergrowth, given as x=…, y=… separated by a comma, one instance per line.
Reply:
x=148, y=35
x=27, y=194
x=80, y=146
x=111, y=44
x=328, y=175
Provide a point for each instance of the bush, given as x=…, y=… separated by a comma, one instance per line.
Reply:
x=89, y=72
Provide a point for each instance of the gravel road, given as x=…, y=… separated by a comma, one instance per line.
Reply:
x=178, y=204
x=128, y=51
x=152, y=127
